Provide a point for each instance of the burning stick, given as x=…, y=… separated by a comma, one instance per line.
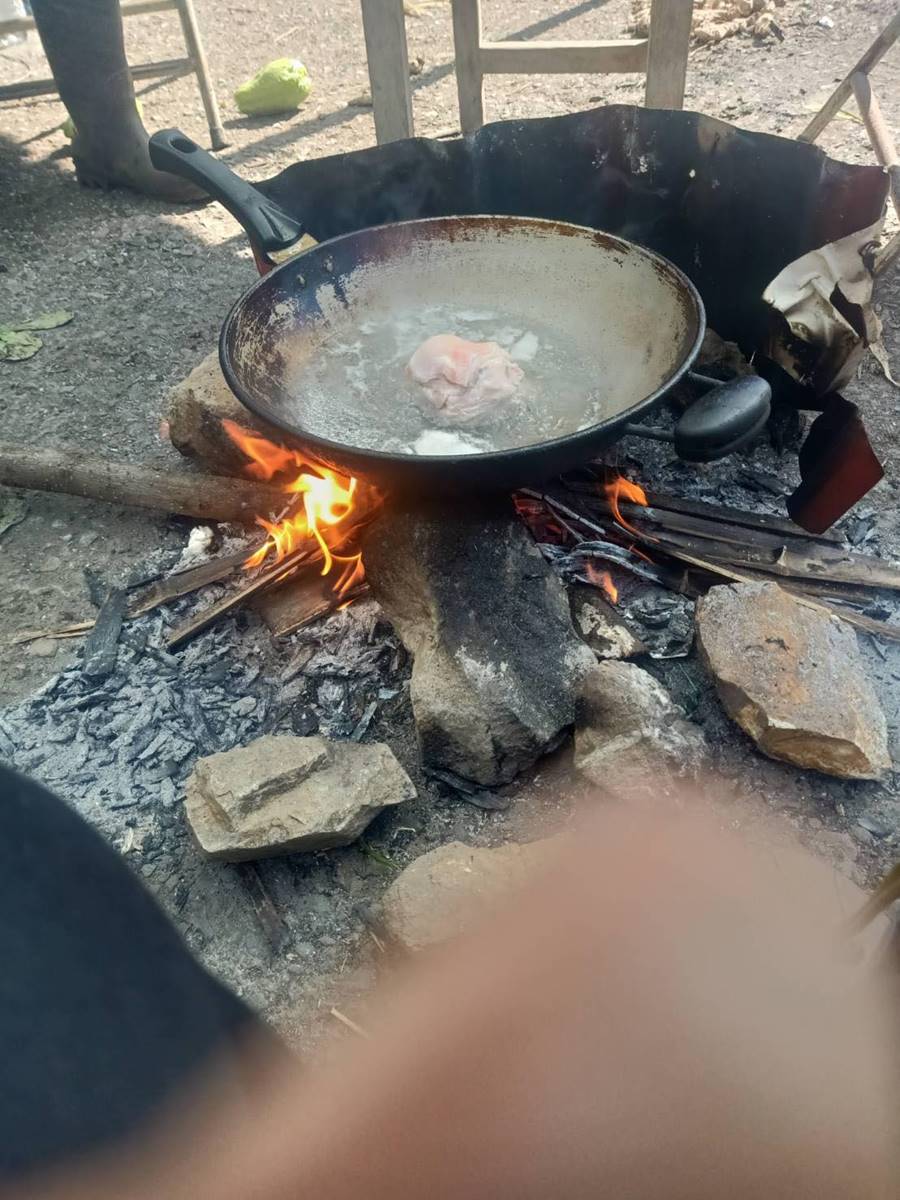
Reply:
x=333, y=510
x=808, y=562
x=196, y=624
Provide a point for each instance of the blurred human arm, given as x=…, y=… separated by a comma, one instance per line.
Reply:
x=661, y=1015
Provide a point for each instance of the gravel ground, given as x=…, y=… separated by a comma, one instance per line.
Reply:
x=149, y=285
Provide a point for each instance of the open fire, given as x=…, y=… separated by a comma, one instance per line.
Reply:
x=624, y=489
x=327, y=502
x=323, y=513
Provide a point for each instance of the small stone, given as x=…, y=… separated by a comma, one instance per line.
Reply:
x=792, y=677
x=282, y=795
x=630, y=733
x=601, y=626
x=444, y=891
x=245, y=706
x=42, y=648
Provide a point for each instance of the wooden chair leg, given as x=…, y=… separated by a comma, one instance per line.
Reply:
x=384, y=25
x=877, y=129
x=841, y=93
x=197, y=53
x=469, y=76
x=667, y=54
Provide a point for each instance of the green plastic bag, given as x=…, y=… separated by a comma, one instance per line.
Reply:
x=280, y=86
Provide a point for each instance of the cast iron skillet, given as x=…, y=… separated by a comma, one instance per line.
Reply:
x=630, y=310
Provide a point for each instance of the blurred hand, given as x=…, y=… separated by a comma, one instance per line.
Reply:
x=662, y=1015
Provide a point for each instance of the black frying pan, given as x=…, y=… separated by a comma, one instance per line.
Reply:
x=629, y=313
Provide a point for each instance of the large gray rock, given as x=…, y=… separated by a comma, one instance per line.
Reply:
x=195, y=410
x=446, y=890
x=630, y=733
x=497, y=664
x=281, y=795
x=792, y=677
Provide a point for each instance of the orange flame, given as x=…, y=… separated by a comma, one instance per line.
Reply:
x=328, y=498
x=626, y=490
x=603, y=580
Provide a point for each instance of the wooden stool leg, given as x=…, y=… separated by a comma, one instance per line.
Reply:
x=469, y=75
x=667, y=54
x=879, y=134
x=384, y=25
x=197, y=54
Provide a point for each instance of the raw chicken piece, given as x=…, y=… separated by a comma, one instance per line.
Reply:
x=463, y=380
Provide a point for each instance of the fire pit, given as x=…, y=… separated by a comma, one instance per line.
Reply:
x=471, y=635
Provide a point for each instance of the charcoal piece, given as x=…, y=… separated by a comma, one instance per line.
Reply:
x=143, y=736
x=135, y=639
x=168, y=793
x=216, y=673
x=496, y=661
x=362, y=725
x=331, y=695
x=304, y=721
x=875, y=825
x=665, y=624
x=179, y=748
x=102, y=644
x=61, y=734
x=164, y=770
x=97, y=589
x=763, y=481
x=860, y=527
x=206, y=740
x=298, y=663
x=487, y=800
x=270, y=920
x=463, y=790
x=165, y=659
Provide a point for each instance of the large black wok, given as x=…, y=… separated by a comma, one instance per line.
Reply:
x=631, y=312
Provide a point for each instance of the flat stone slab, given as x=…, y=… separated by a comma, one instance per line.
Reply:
x=792, y=677
x=285, y=795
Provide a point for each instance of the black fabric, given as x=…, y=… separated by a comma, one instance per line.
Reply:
x=103, y=1012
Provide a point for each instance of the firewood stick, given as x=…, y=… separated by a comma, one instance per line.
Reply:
x=266, y=577
x=858, y=620
x=74, y=473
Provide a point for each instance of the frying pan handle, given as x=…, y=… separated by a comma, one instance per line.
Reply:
x=724, y=419
x=268, y=227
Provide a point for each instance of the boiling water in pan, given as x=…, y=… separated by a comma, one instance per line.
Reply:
x=356, y=389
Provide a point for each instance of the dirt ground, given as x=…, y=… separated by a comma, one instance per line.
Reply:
x=149, y=284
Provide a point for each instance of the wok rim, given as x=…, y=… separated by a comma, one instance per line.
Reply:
x=382, y=461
